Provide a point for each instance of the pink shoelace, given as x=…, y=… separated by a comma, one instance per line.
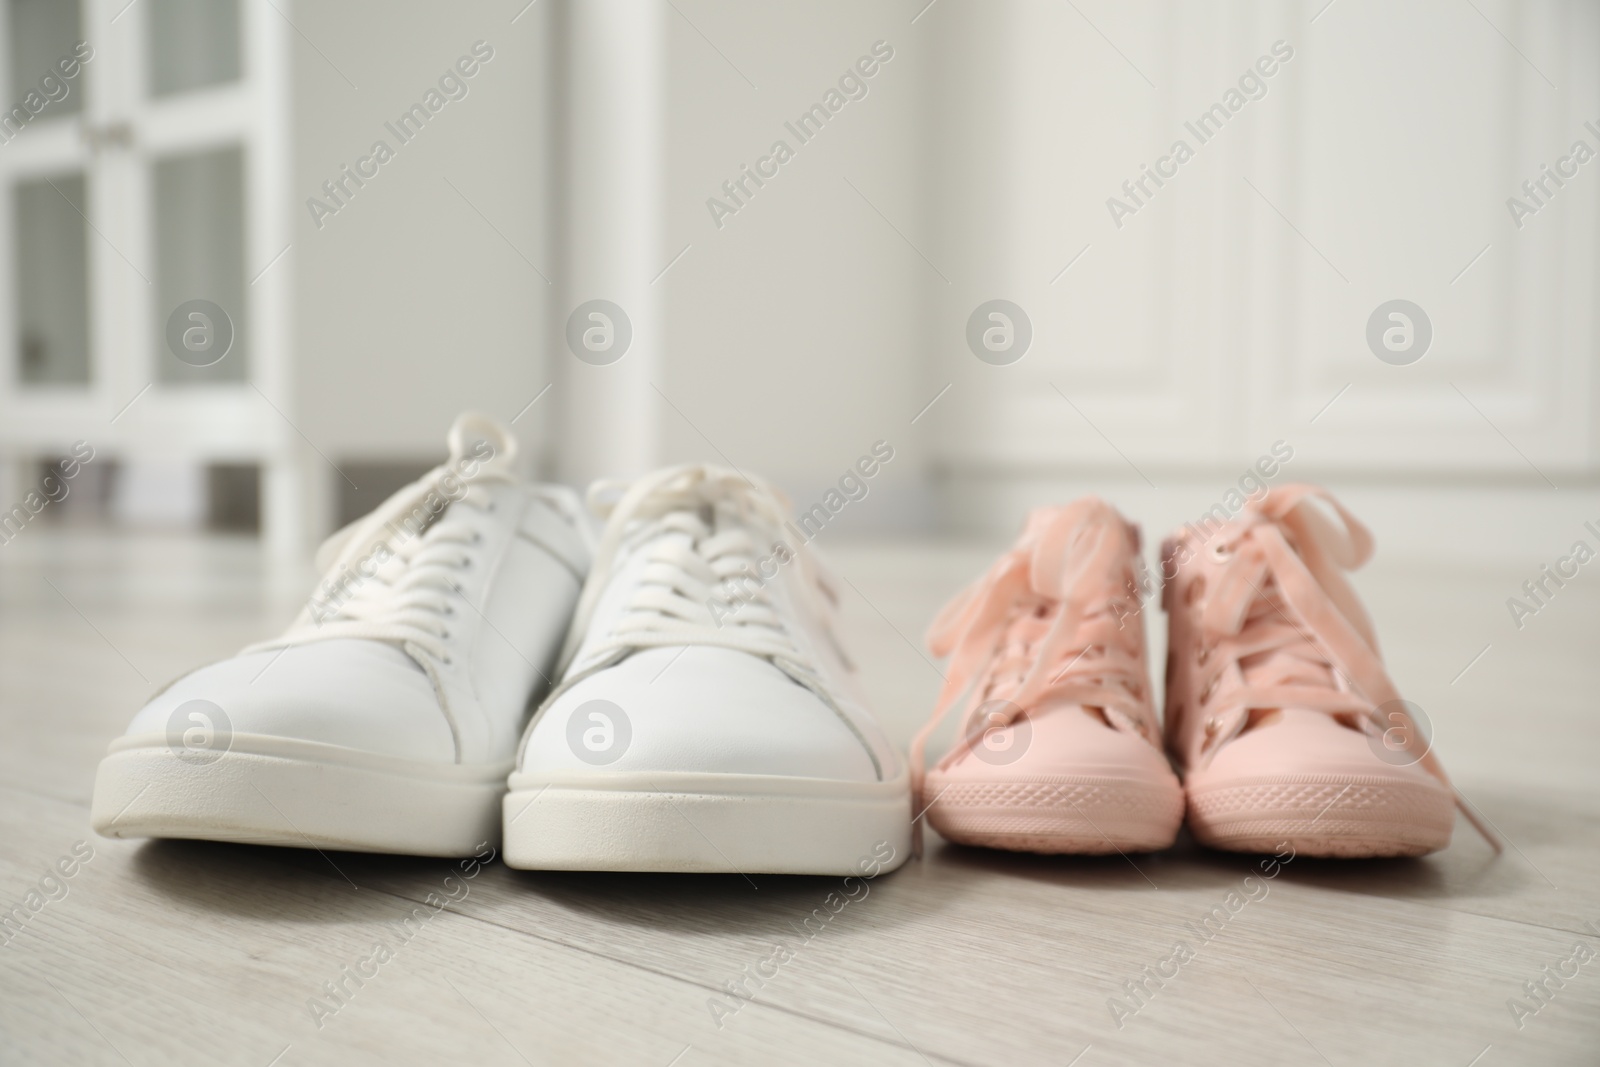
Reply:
x=1044, y=627
x=1282, y=628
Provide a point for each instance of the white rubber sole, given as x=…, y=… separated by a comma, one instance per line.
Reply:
x=706, y=823
x=301, y=794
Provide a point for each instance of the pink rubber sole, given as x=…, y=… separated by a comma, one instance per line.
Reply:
x=1323, y=815
x=1069, y=814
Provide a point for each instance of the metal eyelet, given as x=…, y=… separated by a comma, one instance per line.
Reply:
x=1221, y=552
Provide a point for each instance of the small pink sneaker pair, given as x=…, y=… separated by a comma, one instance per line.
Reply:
x=1279, y=714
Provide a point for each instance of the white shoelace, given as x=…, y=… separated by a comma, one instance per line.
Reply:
x=698, y=526
x=404, y=598
x=392, y=575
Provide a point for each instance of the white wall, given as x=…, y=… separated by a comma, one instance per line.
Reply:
x=794, y=341
x=416, y=300
x=828, y=311
x=788, y=341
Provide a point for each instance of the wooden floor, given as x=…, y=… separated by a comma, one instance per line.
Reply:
x=176, y=953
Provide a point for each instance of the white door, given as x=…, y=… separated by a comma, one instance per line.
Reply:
x=1183, y=324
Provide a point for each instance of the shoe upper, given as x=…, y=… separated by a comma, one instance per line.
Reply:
x=704, y=643
x=1048, y=657
x=438, y=619
x=1273, y=668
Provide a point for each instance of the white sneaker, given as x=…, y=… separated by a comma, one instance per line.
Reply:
x=706, y=719
x=386, y=718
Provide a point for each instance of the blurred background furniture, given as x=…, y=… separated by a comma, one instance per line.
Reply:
x=160, y=175
x=1170, y=347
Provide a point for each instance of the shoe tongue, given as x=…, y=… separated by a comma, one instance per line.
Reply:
x=481, y=448
x=1020, y=648
x=1015, y=658
x=1291, y=665
x=1284, y=668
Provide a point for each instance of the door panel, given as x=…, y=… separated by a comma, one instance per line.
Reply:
x=193, y=44
x=51, y=268
x=199, y=239
x=42, y=32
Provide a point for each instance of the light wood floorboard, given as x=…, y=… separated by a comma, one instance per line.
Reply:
x=187, y=952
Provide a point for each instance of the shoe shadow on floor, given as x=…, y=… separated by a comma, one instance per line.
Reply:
x=307, y=886
x=720, y=905
x=1467, y=868
x=1185, y=865
x=1530, y=821
x=1394, y=877
x=304, y=885
x=285, y=884
x=1111, y=873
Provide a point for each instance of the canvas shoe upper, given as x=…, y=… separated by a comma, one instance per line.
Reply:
x=1280, y=714
x=1059, y=747
x=706, y=718
x=387, y=716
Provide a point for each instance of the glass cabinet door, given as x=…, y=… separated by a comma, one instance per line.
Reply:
x=197, y=196
x=51, y=268
x=40, y=33
x=144, y=169
x=47, y=201
x=199, y=239
x=193, y=44
x=127, y=192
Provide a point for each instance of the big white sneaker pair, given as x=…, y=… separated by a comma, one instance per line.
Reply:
x=705, y=717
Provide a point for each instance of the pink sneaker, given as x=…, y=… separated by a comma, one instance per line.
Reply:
x=1059, y=749
x=1279, y=713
